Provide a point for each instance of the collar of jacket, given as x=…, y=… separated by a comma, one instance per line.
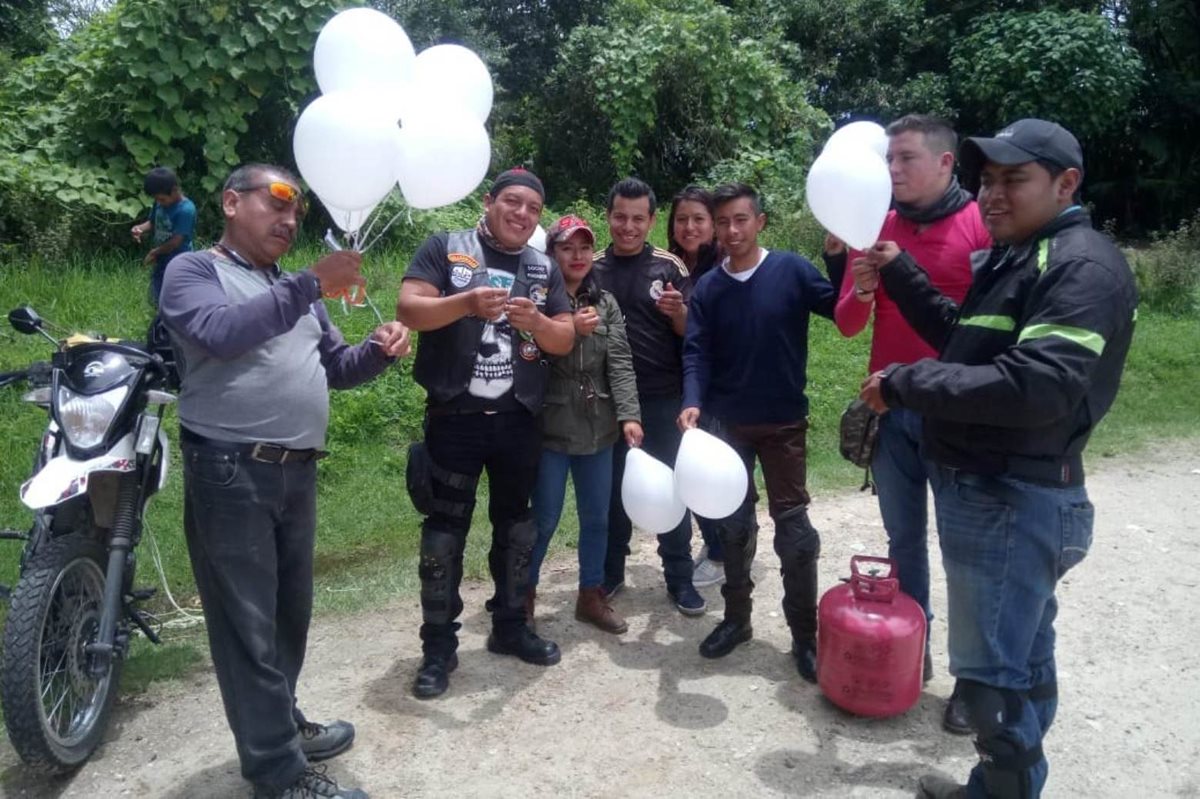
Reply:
x=1017, y=253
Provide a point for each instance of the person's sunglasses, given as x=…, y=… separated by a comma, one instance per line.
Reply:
x=285, y=192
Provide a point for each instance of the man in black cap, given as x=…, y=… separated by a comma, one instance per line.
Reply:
x=488, y=307
x=1029, y=363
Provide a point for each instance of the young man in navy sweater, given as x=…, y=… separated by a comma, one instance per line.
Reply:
x=745, y=357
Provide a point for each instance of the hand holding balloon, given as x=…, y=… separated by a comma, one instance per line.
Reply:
x=633, y=433
x=688, y=419
x=671, y=302
x=487, y=303
x=338, y=273
x=523, y=314
x=586, y=321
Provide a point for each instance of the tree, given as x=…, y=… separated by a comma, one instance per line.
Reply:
x=1072, y=67
x=666, y=90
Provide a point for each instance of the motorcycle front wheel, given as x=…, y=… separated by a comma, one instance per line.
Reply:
x=55, y=709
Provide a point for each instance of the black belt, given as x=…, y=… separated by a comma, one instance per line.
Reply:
x=1056, y=472
x=257, y=451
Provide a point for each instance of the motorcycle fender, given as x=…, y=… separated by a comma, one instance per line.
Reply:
x=63, y=478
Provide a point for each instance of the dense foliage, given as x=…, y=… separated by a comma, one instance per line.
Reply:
x=587, y=91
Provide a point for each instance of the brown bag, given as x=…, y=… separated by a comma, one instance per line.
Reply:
x=858, y=436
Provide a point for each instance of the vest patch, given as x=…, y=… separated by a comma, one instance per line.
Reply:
x=462, y=258
x=529, y=350
x=536, y=271
x=538, y=293
x=460, y=275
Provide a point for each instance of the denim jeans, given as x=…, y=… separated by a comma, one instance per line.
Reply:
x=901, y=478
x=592, y=476
x=1005, y=545
x=250, y=529
x=674, y=547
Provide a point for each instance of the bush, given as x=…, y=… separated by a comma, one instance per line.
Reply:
x=1168, y=272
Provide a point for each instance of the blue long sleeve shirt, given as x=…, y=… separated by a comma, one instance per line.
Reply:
x=745, y=353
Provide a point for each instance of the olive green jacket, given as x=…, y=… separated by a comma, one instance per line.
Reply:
x=592, y=389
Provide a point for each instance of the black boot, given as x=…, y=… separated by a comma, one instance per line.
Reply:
x=433, y=675
x=735, y=628
x=520, y=641
x=804, y=652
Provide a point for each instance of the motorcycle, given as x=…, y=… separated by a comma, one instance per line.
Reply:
x=102, y=456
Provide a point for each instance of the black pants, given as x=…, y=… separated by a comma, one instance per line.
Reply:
x=508, y=445
x=250, y=529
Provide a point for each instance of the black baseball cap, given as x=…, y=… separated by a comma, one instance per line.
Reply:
x=1021, y=142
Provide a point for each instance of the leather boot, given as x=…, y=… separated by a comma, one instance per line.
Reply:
x=725, y=638
x=433, y=675
x=804, y=652
x=592, y=607
x=956, y=719
x=530, y=600
x=521, y=642
x=935, y=787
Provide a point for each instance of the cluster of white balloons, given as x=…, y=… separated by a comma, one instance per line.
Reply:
x=709, y=477
x=849, y=189
x=388, y=116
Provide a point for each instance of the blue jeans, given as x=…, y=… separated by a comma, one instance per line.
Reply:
x=674, y=547
x=592, y=475
x=1005, y=545
x=901, y=476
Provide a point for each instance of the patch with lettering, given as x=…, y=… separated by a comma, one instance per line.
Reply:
x=462, y=258
x=536, y=272
x=529, y=351
x=656, y=290
x=460, y=275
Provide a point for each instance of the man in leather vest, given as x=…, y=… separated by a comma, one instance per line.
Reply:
x=487, y=307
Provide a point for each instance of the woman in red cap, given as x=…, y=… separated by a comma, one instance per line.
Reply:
x=590, y=400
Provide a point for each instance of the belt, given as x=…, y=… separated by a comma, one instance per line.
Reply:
x=1056, y=472
x=260, y=451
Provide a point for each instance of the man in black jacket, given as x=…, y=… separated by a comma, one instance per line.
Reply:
x=1029, y=364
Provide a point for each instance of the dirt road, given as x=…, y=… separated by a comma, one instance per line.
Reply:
x=643, y=715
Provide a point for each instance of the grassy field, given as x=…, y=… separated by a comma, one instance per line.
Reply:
x=367, y=538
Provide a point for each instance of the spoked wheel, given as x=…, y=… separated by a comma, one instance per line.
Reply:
x=55, y=708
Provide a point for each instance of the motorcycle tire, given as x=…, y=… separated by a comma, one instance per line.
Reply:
x=55, y=711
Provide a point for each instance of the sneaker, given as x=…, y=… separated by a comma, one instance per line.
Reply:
x=708, y=572
x=687, y=600
x=323, y=741
x=314, y=783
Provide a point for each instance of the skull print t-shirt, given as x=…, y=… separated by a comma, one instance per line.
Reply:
x=491, y=383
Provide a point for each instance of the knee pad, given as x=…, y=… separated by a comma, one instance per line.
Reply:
x=990, y=709
x=795, y=537
x=740, y=523
x=522, y=534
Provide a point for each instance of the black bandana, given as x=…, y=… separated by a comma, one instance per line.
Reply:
x=949, y=203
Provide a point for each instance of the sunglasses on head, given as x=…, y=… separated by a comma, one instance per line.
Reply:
x=285, y=192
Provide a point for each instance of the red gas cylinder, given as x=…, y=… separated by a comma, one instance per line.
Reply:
x=871, y=642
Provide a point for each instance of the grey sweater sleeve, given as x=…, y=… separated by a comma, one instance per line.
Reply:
x=347, y=366
x=195, y=307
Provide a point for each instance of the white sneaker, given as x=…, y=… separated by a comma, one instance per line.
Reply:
x=708, y=572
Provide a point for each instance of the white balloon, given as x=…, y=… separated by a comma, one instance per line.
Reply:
x=648, y=494
x=451, y=71
x=346, y=150
x=441, y=158
x=849, y=191
x=362, y=48
x=710, y=476
x=867, y=134
x=349, y=221
x=538, y=240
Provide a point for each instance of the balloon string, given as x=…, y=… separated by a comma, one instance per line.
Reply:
x=373, y=241
x=362, y=235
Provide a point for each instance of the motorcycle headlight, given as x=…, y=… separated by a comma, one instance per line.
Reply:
x=85, y=419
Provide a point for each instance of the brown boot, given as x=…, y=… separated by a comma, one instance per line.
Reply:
x=593, y=608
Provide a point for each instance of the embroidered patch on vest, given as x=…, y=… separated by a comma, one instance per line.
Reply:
x=462, y=258
x=529, y=350
x=536, y=272
x=460, y=275
x=537, y=293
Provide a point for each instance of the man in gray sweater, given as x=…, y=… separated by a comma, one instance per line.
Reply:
x=258, y=354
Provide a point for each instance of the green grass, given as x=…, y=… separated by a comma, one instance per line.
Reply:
x=368, y=531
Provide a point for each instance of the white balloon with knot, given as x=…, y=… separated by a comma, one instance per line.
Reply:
x=390, y=120
x=648, y=494
x=710, y=477
x=849, y=188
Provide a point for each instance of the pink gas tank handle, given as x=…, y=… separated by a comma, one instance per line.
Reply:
x=869, y=585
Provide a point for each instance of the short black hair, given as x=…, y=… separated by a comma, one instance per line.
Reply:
x=631, y=189
x=159, y=180
x=728, y=192
x=939, y=136
x=247, y=175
